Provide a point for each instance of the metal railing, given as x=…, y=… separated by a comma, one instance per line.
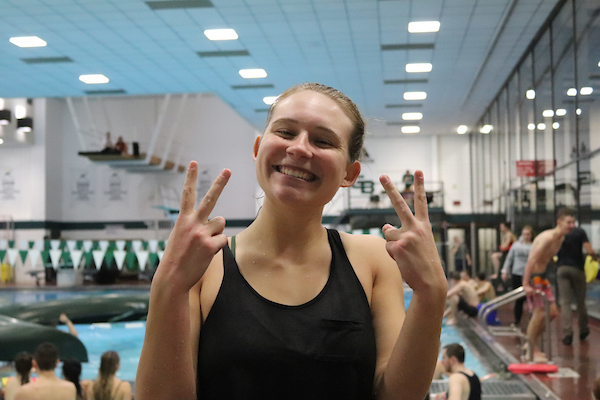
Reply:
x=510, y=297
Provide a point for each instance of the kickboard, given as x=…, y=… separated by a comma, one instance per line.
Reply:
x=531, y=368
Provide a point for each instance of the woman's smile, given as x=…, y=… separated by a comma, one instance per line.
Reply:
x=296, y=173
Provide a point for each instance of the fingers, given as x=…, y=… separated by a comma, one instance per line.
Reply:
x=210, y=199
x=421, y=209
x=402, y=209
x=188, y=197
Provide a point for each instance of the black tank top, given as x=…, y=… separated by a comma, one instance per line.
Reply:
x=475, y=384
x=253, y=348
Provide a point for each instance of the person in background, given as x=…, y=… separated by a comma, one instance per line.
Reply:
x=65, y=320
x=506, y=241
x=107, y=386
x=543, y=249
x=572, y=283
x=596, y=389
x=71, y=370
x=408, y=180
x=463, y=384
x=461, y=297
x=238, y=318
x=121, y=146
x=460, y=252
x=47, y=386
x=484, y=288
x=23, y=364
x=515, y=263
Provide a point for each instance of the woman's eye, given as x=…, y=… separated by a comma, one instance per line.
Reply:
x=324, y=143
x=285, y=133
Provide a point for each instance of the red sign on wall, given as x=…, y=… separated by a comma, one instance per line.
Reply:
x=528, y=167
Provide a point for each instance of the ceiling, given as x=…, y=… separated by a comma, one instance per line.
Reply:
x=358, y=46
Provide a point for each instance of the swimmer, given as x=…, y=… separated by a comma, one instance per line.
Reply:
x=288, y=308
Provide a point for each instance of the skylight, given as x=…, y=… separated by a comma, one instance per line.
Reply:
x=28, y=41
x=221, y=34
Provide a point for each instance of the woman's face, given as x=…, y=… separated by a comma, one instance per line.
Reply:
x=303, y=154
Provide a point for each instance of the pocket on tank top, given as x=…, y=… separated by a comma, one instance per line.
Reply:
x=341, y=340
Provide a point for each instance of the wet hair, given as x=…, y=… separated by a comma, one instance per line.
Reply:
x=109, y=364
x=46, y=356
x=565, y=212
x=455, y=275
x=481, y=276
x=71, y=370
x=355, y=147
x=455, y=350
x=23, y=365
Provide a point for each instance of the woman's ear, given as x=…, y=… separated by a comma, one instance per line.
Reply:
x=352, y=173
x=255, y=147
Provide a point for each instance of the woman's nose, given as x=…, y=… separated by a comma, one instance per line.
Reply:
x=300, y=146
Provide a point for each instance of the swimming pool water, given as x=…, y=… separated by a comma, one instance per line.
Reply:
x=126, y=338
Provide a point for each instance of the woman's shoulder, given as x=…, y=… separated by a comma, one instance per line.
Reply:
x=367, y=250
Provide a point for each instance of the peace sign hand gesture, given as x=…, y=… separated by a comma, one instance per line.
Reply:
x=195, y=239
x=413, y=246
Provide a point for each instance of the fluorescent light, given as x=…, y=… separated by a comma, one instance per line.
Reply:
x=410, y=129
x=530, y=94
x=269, y=100
x=423, y=26
x=93, y=79
x=548, y=113
x=560, y=112
x=221, y=34
x=531, y=127
x=20, y=112
x=418, y=67
x=253, y=73
x=412, y=116
x=486, y=129
x=541, y=126
x=28, y=41
x=1, y=141
x=415, y=95
x=555, y=125
x=572, y=92
x=586, y=91
x=462, y=129
x=1, y=104
x=578, y=111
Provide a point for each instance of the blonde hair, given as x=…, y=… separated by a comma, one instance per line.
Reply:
x=109, y=364
x=358, y=131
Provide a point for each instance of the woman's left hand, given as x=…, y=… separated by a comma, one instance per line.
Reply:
x=412, y=246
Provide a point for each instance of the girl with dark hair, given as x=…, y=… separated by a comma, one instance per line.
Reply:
x=107, y=386
x=23, y=365
x=72, y=371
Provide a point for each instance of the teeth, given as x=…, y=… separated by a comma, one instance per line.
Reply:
x=296, y=174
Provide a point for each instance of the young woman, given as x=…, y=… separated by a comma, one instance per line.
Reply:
x=107, y=386
x=288, y=309
x=23, y=364
x=71, y=370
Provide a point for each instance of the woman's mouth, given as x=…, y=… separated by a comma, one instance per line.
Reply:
x=296, y=173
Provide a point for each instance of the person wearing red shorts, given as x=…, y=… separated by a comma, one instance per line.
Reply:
x=544, y=247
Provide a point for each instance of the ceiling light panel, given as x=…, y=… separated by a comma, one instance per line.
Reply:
x=423, y=26
x=412, y=116
x=28, y=41
x=253, y=73
x=418, y=67
x=415, y=95
x=221, y=34
x=410, y=129
x=93, y=79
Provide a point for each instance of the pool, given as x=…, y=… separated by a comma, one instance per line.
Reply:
x=126, y=338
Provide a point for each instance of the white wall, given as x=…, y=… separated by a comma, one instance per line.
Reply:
x=45, y=175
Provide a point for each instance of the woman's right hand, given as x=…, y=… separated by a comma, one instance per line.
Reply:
x=195, y=239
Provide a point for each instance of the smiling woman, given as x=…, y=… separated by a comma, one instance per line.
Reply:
x=288, y=308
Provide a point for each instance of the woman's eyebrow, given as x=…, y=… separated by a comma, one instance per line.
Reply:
x=294, y=121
